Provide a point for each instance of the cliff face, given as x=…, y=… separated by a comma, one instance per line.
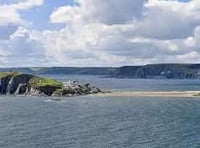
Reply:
x=26, y=84
x=160, y=71
x=13, y=82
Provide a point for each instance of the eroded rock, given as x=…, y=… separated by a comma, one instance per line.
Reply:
x=26, y=84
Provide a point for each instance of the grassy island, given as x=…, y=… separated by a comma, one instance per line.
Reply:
x=26, y=84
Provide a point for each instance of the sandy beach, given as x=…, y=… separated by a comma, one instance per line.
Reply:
x=152, y=94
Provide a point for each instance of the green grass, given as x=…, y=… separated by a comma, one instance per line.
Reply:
x=38, y=82
x=5, y=74
x=35, y=81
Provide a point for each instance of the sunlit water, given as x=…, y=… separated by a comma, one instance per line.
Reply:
x=103, y=122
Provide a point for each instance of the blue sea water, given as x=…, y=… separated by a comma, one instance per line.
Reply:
x=103, y=122
x=133, y=84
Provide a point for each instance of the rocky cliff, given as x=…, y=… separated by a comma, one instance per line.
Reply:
x=26, y=84
x=159, y=71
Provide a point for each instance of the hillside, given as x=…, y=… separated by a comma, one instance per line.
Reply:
x=159, y=71
x=64, y=70
x=151, y=71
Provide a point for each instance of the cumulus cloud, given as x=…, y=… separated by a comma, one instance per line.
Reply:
x=109, y=33
x=147, y=31
x=21, y=48
x=10, y=12
x=169, y=19
x=16, y=45
x=107, y=12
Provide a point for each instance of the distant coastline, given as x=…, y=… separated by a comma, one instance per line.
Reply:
x=150, y=71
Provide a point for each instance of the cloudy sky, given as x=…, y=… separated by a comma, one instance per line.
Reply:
x=98, y=32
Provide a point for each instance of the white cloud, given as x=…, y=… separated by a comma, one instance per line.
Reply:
x=169, y=19
x=16, y=47
x=155, y=31
x=10, y=12
x=110, y=33
x=98, y=11
x=21, y=49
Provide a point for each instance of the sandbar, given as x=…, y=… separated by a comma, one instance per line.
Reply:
x=151, y=94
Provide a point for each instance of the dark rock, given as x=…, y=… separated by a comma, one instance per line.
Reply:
x=15, y=81
x=47, y=90
x=22, y=89
x=95, y=90
x=25, y=84
x=4, y=84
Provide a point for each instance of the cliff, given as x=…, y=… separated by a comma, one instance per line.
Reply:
x=152, y=71
x=26, y=84
x=159, y=71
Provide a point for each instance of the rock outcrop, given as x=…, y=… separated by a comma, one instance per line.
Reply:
x=25, y=84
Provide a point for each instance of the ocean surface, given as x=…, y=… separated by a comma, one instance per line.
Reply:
x=103, y=122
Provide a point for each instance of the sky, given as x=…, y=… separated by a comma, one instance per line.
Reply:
x=35, y=33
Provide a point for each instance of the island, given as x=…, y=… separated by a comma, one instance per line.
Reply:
x=17, y=83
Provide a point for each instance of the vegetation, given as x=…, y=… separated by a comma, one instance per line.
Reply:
x=6, y=74
x=27, y=84
x=36, y=81
x=39, y=82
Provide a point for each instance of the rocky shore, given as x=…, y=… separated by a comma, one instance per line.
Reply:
x=15, y=83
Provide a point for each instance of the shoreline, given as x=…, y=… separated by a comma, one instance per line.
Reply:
x=151, y=94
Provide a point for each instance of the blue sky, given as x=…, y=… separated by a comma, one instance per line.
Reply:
x=41, y=14
x=98, y=33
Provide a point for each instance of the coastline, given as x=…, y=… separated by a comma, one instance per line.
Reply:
x=151, y=94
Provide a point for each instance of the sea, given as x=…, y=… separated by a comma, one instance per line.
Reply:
x=103, y=122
